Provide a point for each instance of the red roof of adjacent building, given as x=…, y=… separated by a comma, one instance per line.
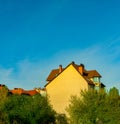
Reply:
x=21, y=91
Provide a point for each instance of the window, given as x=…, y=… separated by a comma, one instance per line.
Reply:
x=96, y=79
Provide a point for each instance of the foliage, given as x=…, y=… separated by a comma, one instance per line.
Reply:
x=95, y=107
x=3, y=99
x=27, y=110
x=90, y=107
x=3, y=94
x=61, y=119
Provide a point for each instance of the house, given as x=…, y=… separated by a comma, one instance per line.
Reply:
x=62, y=83
x=20, y=91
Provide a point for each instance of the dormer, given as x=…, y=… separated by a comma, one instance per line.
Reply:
x=96, y=79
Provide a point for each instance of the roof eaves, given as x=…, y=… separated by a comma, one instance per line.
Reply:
x=103, y=85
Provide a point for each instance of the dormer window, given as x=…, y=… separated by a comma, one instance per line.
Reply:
x=96, y=79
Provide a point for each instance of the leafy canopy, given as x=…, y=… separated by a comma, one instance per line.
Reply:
x=95, y=107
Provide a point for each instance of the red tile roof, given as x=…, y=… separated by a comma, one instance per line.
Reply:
x=54, y=73
x=21, y=91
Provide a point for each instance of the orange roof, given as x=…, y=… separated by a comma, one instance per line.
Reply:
x=21, y=91
x=86, y=74
x=30, y=92
x=93, y=73
x=54, y=73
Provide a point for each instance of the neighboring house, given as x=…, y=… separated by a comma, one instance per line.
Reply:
x=62, y=83
x=20, y=91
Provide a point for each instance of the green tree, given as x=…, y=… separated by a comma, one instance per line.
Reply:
x=112, y=107
x=113, y=93
x=3, y=99
x=61, y=119
x=29, y=110
x=93, y=107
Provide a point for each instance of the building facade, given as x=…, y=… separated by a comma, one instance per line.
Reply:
x=62, y=83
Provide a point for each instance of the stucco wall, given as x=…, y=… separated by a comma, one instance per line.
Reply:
x=68, y=83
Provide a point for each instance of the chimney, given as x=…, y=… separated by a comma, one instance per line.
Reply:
x=73, y=62
x=60, y=68
x=81, y=69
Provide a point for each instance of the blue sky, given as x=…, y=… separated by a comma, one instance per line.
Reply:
x=37, y=36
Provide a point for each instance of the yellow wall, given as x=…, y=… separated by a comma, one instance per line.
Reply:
x=68, y=83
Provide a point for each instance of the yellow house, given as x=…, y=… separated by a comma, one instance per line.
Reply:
x=62, y=83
